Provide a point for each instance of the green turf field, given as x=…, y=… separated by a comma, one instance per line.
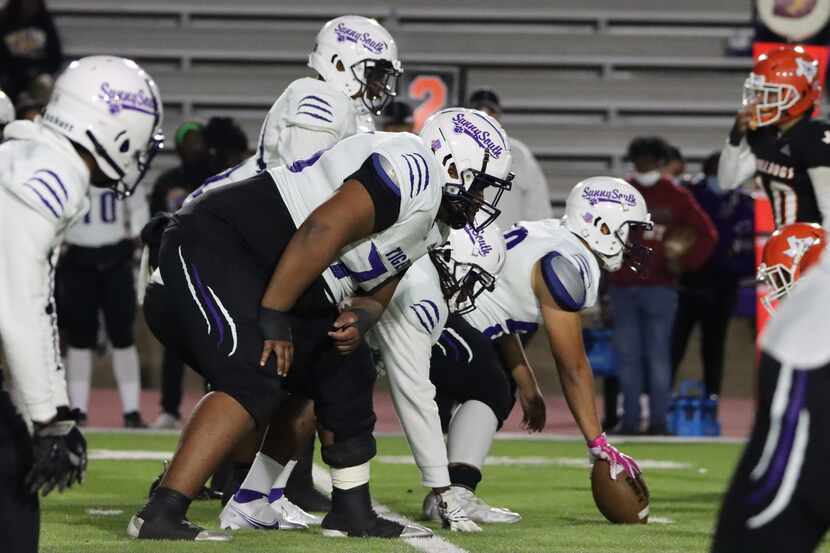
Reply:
x=555, y=500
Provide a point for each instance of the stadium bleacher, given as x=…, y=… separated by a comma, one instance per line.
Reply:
x=578, y=80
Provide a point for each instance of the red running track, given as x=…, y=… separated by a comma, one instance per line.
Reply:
x=105, y=411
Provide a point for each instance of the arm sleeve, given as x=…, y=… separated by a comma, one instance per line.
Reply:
x=736, y=165
x=705, y=231
x=405, y=350
x=379, y=179
x=137, y=210
x=820, y=177
x=27, y=323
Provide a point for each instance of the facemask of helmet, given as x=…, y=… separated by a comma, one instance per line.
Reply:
x=467, y=265
x=474, y=152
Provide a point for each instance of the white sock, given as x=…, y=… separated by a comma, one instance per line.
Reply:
x=350, y=477
x=78, y=377
x=471, y=433
x=263, y=473
x=127, y=376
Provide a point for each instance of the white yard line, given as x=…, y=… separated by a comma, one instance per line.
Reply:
x=578, y=462
x=435, y=544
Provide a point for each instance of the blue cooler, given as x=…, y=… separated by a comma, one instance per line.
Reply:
x=600, y=351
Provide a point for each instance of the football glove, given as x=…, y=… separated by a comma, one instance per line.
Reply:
x=59, y=456
x=599, y=448
x=453, y=516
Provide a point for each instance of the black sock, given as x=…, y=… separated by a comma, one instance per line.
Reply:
x=465, y=475
x=166, y=502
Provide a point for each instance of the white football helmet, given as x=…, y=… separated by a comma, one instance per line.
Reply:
x=112, y=108
x=602, y=211
x=475, y=154
x=468, y=264
x=358, y=56
x=7, y=112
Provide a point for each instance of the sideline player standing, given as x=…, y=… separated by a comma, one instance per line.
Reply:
x=95, y=274
x=778, y=498
x=776, y=139
x=357, y=66
x=551, y=273
x=101, y=128
x=272, y=257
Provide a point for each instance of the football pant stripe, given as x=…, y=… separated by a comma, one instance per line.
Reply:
x=228, y=318
x=193, y=290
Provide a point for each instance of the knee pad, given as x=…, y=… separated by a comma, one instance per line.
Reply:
x=497, y=394
x=349, y=452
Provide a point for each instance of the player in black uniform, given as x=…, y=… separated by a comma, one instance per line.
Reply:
x=776, y=139
x=778, y=498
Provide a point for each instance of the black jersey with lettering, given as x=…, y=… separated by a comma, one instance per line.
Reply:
x=782, y=162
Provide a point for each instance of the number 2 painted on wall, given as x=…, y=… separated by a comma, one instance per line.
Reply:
x=432, y=90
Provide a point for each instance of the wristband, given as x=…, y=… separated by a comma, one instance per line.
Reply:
x=274, y=324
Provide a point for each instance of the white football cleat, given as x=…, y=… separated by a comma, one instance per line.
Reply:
x=477, y=510
x=165, y=421
x=292, y=513
x=450, y=511
x=256, y=514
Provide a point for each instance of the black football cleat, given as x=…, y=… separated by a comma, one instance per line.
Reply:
x=163, y=528
x=133, y=420
x=352, y=516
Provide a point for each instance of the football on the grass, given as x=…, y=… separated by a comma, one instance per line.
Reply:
x=622, y=501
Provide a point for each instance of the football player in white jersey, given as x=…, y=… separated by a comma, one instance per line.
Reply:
x=95, y=274
x=100, y=128
x=405, y=335
x=552, y=272
x=357, y=66
x=259, y=267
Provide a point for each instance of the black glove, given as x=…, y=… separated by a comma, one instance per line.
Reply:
x=59, y=456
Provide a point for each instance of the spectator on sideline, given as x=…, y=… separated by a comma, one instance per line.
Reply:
x=29, y=44
x=397, y=117
x=674, y=168
x=529, y=200
x=708, y=295
x=644, y=304
x=227, y=143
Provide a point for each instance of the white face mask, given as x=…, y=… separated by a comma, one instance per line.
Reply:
x=647, y=179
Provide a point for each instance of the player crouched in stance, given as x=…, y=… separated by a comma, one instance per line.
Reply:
x=776, y=139
x=551, y=273
x=100, y=128
x=778, y=497
x=259, y=267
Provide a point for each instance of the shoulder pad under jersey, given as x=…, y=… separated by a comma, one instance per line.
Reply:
x=565, y=280
x=315, y=105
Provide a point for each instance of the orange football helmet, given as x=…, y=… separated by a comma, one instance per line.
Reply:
x=788, y=254
x=783, y=85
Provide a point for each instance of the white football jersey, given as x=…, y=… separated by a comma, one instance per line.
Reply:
x=39, y=169
x=413, y=173
x=309, y=116
x=512, y=307
x=404, y=336
x=108, y=221
x=42, y=168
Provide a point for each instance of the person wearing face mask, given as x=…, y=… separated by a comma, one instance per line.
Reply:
x=708, y=295
x=644, y=303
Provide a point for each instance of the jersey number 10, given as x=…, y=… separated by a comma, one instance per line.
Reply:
x=106, y=209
